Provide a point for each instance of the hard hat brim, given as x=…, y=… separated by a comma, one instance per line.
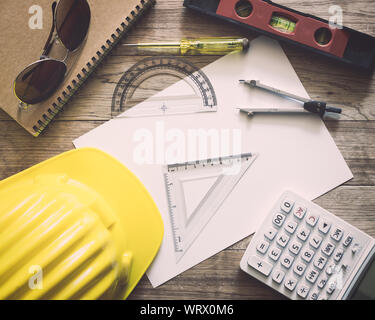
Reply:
x=135, y=209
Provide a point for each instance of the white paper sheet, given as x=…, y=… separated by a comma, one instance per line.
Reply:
x=296, y=152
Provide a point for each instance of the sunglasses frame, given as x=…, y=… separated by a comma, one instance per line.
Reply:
x=47, y=48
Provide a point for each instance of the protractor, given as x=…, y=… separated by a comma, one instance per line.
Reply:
x=158, y=86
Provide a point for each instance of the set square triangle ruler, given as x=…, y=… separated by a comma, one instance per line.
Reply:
x=195, y=192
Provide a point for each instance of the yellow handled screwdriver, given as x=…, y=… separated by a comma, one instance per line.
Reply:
x=201, y=46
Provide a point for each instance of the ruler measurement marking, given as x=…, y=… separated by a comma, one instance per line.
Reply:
x=173, y=222
x=181, y=240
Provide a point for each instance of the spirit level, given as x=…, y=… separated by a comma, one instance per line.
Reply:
x=282, y=23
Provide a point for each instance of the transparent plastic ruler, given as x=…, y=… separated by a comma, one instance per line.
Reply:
x=137, y=95
x=195, y=192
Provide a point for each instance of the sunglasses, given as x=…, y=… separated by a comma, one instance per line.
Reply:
x=39, y=80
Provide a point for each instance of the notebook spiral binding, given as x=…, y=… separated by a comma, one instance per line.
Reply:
x=81, y=77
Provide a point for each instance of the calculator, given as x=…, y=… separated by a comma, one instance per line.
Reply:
x=305, y=252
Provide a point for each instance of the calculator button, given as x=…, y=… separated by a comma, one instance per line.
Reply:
x=303, y=233
x=262, y=247
x=291, y=227
x=290, y=283
x=320, y=262
x=328, y=248
x=278, y=219
x=337, y=234
x=315, y=241
x=271, y=233
x=331, y=269
x=356, y=248
x=311, y=275
x=303, y=291
x=295, y=247
x=322, y=281
x=287, y=205
x=299, y=268
x=278, y=276
x=312, y=219
x=314, y=295
x=274, y=253
x=260, y=265
x=338, y=255
x=331, y=287
x=307, y=255
x=324, y=226
x=348, y=240
x=299, y=211
x=287, y=260
x=283, y=240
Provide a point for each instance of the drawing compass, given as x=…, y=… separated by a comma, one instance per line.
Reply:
x=309, y=106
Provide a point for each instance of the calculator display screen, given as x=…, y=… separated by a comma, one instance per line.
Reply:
x=366, y=287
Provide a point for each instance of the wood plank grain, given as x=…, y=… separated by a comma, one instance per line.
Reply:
x=216, y=278
x=220, y=277
x=19, y=150
x=324, y=78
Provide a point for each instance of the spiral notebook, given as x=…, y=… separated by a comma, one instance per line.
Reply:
x=25, y=27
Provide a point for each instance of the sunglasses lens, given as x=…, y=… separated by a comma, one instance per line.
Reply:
x=72, y=22
x=39, y=81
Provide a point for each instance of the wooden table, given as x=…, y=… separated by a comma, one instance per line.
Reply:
x=325, y=79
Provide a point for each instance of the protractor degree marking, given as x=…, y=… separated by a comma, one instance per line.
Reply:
x=150, y=67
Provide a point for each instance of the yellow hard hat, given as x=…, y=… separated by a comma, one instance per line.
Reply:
x=77, y=226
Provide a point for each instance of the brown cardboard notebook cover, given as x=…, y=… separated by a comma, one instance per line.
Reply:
x=20, y=46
